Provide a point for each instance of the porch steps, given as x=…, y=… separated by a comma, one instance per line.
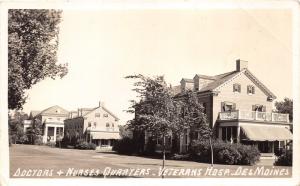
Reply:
x=266, y=159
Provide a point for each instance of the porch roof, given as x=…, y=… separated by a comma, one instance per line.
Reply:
x=105, y=135
x=266, y=133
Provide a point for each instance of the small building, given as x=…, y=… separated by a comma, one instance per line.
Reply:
x=52, y=120
x=97, y=125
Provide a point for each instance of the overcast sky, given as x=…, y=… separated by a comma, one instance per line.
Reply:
x=101, y=47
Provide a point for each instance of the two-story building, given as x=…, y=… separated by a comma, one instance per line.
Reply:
x=52, y=120
x=239, y=109
x=97, y=125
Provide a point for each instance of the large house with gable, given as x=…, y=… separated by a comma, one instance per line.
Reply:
x=97, y=125
x=52, y=120
x=239, y=109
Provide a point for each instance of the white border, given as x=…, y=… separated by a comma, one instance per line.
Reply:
x=140, y=5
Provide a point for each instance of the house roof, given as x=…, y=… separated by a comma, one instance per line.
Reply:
x=89, y=110
x=54, y=110
x=223, y=78
x=219, y=80
x=187, y=80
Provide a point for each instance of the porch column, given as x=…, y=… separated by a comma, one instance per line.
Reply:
x=45, y=134
x=238, y=137
x=54, y=133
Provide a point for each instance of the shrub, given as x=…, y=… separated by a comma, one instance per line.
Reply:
x=124, y=146
x=249, y=154
x=85, y=146
x=38, y=140
x=285, y=159
x=224, y=153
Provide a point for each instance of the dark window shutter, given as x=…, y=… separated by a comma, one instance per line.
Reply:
x=239, y=88
x=233, y=88
x=253, y=107
x=264, y=109
x=253, y=90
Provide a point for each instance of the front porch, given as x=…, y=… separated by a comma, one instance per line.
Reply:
x=270, y=132
x=53, y=131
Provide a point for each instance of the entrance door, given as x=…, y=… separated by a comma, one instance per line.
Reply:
x=50, y=134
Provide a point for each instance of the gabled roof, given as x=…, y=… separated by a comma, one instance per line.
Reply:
x=223, y=78
x=92, y=109
x=219, y=80
x=205, y=76
x=54, y=110
x=187, y=80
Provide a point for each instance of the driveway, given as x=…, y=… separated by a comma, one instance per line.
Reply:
x=46, y=162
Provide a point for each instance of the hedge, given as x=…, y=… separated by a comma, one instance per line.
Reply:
x=125, y=146
x=285, y=159
x=224, y=153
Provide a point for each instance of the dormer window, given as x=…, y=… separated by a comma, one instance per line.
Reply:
x=236, y=87
x=250, y=89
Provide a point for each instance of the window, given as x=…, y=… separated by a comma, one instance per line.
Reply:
x=105, y=115
x=97, y=115
x=228, y=106
x=89, y=124
x=107, y=124
x=112, y=125
x=250, y=89
x=95, y=124
x=259, y=108
x=236, y=87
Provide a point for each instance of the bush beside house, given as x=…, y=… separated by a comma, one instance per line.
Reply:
x=224, y=153
x=285, y=159
x=125, y=146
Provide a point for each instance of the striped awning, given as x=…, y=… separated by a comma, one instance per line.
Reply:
x=105, y=135
x=265, y=133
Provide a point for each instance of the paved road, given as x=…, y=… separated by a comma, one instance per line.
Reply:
x=42, y=161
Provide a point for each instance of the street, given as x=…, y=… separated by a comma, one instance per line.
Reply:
x=46, y=162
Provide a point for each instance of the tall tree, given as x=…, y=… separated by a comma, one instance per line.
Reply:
x=286, y=107
x=32, y=51
x=156, y=112
x=160, y=113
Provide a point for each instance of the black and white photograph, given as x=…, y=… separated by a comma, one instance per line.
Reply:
x=160, y=92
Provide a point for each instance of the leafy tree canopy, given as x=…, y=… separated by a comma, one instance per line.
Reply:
x=32, y=51
x=285, y=106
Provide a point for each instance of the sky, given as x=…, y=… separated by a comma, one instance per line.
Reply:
x=101, y=47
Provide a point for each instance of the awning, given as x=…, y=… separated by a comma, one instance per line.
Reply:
x=105, y=135
x=265, y=133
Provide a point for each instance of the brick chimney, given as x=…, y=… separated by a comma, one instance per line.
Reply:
x=101, y=104
x=241, y=64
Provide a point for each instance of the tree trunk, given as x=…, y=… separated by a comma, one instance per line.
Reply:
x=212, y=152
x=164, y=155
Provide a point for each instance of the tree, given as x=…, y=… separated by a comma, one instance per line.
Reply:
x=160, y=113
x=32, y=51
x=193, y=117
x=286, y=107
x=35, y=132
x=15, y=126
x=156, y=111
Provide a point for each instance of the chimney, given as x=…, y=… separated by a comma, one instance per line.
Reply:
x=101, y=104
x=241, y=64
